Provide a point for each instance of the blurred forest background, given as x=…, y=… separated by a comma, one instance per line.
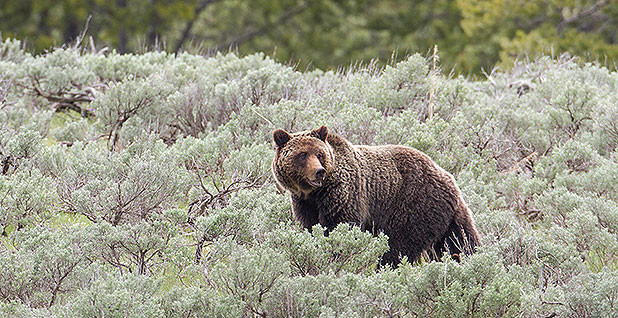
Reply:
x=471, y=35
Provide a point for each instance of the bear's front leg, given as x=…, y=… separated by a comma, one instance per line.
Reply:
x=305, y=211
x=330, y=218
x=327, y=223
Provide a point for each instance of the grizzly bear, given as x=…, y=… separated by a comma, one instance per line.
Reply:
x=392, y=189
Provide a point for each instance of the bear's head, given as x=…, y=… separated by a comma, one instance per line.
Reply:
x=302, y=160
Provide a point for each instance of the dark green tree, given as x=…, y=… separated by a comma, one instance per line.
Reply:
x=469, y=35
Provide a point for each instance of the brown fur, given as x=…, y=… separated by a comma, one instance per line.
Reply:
x=392, y=189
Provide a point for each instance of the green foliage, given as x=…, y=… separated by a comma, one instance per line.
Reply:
x=344, y=250
x=502, y=31
x=140, y=185
x=27, y=198
x=471, y=35
x=119, y=187
x=43, y=264
x=120, y=297
x=247, y=277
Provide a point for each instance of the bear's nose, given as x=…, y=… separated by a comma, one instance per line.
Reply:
x=319, y=173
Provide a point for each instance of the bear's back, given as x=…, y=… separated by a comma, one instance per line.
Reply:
x=405, y=182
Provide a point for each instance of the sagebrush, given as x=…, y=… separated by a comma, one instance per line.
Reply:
x=139, y=185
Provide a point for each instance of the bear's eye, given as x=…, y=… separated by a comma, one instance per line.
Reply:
x=302, y=156
x=320, y=156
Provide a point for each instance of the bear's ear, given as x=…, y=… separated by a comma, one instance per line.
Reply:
x=281, y=137
x=320, y=133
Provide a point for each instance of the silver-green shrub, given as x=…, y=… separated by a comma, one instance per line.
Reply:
x=139, y=185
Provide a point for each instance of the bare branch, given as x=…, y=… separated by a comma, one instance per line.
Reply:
x=584, y=13
x=189, y=26
x=81, y=36
x=64, y=100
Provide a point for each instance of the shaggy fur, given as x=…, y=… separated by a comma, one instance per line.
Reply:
x=392, y=189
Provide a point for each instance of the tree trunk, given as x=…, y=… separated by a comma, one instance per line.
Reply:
x=122, y=33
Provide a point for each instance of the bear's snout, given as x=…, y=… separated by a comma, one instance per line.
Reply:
x=315, y=174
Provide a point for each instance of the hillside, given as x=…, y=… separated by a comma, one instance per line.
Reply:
x=139, y=185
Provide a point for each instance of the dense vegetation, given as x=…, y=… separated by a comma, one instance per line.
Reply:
x=470, y=34
x=139, y=185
